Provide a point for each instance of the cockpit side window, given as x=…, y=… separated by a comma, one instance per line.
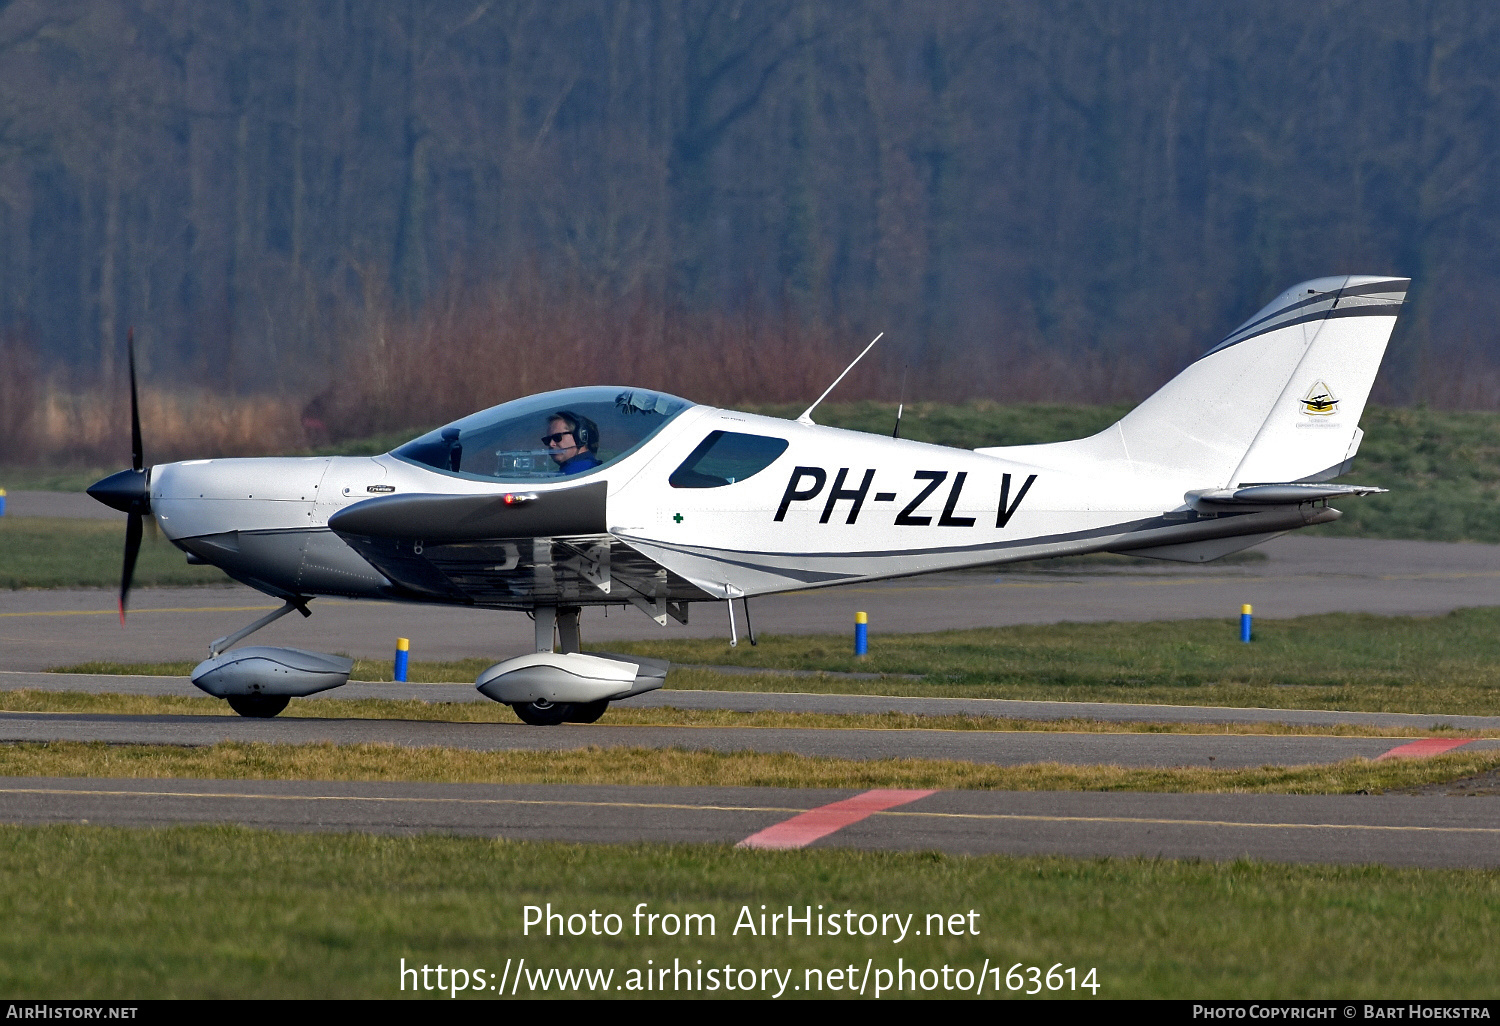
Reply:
x=725, y=457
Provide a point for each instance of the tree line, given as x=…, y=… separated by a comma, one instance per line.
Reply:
x=1062, y=199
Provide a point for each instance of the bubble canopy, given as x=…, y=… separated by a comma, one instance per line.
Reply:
x=522, y=440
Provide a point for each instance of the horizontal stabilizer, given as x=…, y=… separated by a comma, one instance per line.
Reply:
x=1290, y=493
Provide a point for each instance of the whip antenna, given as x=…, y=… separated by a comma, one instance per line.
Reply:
x=902, y=404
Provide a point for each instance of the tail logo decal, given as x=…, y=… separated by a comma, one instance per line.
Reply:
x=1320, y=401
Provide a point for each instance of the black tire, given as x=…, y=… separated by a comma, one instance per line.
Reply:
x=588, y=712
x=258, y=706
x=543, y=714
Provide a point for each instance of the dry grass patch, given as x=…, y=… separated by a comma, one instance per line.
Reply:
x=679, y=767
x=626, y=715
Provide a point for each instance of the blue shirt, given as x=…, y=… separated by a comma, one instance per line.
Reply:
x=578, y=464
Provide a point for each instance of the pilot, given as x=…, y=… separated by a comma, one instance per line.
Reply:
x=573, y=442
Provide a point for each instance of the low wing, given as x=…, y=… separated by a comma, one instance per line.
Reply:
x=514, y=551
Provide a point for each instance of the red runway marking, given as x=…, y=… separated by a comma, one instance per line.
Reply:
x=1425, y=747
x=805, y=828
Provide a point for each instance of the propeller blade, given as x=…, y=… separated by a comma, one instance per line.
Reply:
x=132, y=550
x=137, y=450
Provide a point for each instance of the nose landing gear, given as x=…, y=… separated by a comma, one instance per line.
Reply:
x=258, y=681
x=258, y=706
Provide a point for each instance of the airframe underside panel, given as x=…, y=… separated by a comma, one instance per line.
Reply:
x=519, y=573
x=724, y=573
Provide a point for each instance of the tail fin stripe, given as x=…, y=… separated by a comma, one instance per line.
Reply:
x=1375, y=289
x=1367, y=309
x=1378, y=288
x=1283, y=311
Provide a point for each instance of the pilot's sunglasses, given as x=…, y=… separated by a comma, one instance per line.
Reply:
x=557, y=438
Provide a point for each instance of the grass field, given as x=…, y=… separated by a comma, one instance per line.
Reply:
x=1353, y=661
x=52, y=552
x=1447, y=663
x=682, y=767
x=227, y=912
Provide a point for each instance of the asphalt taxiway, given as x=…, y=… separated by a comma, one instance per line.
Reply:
x=993, y=747
x=1301, y=574
x=1398, y=831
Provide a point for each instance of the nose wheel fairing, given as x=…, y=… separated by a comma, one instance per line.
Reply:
x=262, y=670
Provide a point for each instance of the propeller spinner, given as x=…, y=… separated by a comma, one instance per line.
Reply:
x=128, y=491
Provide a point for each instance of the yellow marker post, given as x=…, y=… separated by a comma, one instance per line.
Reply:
x=1245, y=612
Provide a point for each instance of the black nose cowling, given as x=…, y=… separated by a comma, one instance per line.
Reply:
x=125, y=491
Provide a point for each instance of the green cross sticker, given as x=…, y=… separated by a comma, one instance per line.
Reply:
x=677, y=517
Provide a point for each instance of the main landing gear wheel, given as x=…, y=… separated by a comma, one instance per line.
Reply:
x=588, y=712
x=543, y=713
x=258, y=706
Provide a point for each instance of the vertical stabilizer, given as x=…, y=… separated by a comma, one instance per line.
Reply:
x=1279, y=399
x=1312, y=431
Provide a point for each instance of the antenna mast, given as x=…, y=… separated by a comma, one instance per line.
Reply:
x=806, y=417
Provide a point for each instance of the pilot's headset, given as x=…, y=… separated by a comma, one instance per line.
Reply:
x=585, y=431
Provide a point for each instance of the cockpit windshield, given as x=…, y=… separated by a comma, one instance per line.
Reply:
x=552, y=435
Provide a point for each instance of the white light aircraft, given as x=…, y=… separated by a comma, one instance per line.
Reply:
x=599, y=496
